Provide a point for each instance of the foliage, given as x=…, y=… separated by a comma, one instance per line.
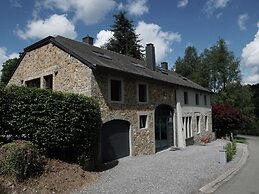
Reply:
x=255, y=98
x=226, y=118
x=125, y=40
x=231, y=149
x=21, y=160
x=63, y=125
x=241, y=140
x=8, y=68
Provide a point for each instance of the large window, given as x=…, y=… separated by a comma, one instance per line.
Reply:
x=33, y=83
x=198, y=127
x=185, y=98
x=142, y=93
x=48, y=82
x=187, y=125
x=197, y=99
x=115, y=90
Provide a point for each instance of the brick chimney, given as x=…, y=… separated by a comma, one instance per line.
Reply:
x=164, y=66
x=150, y=56
x=88, y=40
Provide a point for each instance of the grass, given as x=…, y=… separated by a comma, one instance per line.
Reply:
x=241, y=140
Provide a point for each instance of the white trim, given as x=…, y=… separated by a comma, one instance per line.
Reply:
x=142, y=114
x=198, y=127
x=109, y=90
x=137, y=87
x=130, y=140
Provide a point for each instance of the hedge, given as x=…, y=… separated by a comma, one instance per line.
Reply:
x=63, y=125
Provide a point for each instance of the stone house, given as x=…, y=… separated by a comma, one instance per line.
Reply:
x=144, y=108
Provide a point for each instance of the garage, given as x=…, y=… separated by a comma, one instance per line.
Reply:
x=115, y=140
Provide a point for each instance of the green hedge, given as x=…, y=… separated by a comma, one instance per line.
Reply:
x=64, y=125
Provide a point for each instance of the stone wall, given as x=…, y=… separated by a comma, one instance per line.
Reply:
x=142, y=140
x=69, y=74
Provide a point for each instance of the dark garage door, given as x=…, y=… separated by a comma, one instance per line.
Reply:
x=114, y=140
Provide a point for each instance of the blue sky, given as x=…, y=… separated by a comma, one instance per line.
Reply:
x=171, y=25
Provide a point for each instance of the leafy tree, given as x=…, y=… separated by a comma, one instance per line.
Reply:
x=8, y=67
x=125, y=40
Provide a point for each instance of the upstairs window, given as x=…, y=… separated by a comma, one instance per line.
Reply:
x=115, y=90
x=48, y=82
x=197, y=99
x=34, y=83
x=205, y=100
x=185, y=98
x=142, y=93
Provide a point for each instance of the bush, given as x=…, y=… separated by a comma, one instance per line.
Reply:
x=231, y=149
x=63, y=125
x=21, y=160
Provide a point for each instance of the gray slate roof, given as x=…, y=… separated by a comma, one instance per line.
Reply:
x=96, y=57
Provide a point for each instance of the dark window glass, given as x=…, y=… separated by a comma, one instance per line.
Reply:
x=116, y=90
x=205, y=100
x=142, y=121
x=142, y=93
x=35, y=83
x=48, y=81
x=185, y=98
x=197, y=99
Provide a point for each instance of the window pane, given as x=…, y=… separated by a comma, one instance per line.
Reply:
x=115, y=90
x=205, y=100
x=197, y=99
x=33, y=83
x=185, y=98
x=142, y=91
x=142, y=121
x=48, y=81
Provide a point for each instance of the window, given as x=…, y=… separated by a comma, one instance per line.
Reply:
x=142, y=93
x=205, y=100
x=48, y=82
x=142, y=121
x=185, y=98
x=33, y=83
x=115, y=90
x=187, y=125
x=190, y=126
x=197, y=99
x=206, y=123
x=198, y=124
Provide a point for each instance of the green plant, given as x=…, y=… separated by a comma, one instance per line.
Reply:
x=21, y=160
x=231, y=150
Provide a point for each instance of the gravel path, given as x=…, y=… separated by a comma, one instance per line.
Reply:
x=165, y=172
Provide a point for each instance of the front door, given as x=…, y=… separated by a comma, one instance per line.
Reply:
x=161, y=133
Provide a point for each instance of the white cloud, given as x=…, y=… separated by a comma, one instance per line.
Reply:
x=242, y=19
x=16, y=3
x=212, y=5
x=219, y=15
x=88, y=11
x=54, y=25
x=152, y=33
x=250, y=58
x=4, y=56
x=182, y=3
x=102, y=37
x=137, y=7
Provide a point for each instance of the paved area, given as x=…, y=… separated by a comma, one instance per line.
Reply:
x=246, y=181
x=165, y=172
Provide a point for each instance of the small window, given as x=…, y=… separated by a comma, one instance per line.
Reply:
x=48, y=82
x=185, y=98
x=190, y=126
x=115, y=90
x=197, y=99
x=142, y=93
x=206, y=123
x=142, y=121
x=34, y=83
x=198, y=124
x=205, y=100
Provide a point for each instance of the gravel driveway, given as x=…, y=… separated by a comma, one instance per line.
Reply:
x=165, y=172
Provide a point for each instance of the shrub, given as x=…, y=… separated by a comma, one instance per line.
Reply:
x=21, y=160
x=231, y=150
x=63, y=125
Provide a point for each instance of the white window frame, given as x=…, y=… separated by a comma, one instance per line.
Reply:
x=142, y=83
x=142, y=114
x=198, y=125
x=187, y=126
x=109, y=90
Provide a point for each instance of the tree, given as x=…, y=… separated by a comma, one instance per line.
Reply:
x=8, y=67
x=125, y=40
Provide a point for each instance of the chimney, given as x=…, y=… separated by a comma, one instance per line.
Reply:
x=88, y=40
x=150, y=56
x=164, y=66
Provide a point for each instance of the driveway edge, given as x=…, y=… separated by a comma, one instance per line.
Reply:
x=212, y=186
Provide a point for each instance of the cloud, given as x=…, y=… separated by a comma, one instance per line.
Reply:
x=137, y=7
x=88, y=11
x=152, y=33
x=250, y=58
x=4, y=56
x=16, y=3
x=103, y=37
x=182, y=3
x=54, y=25
x=212, y=5
x=242, y=19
